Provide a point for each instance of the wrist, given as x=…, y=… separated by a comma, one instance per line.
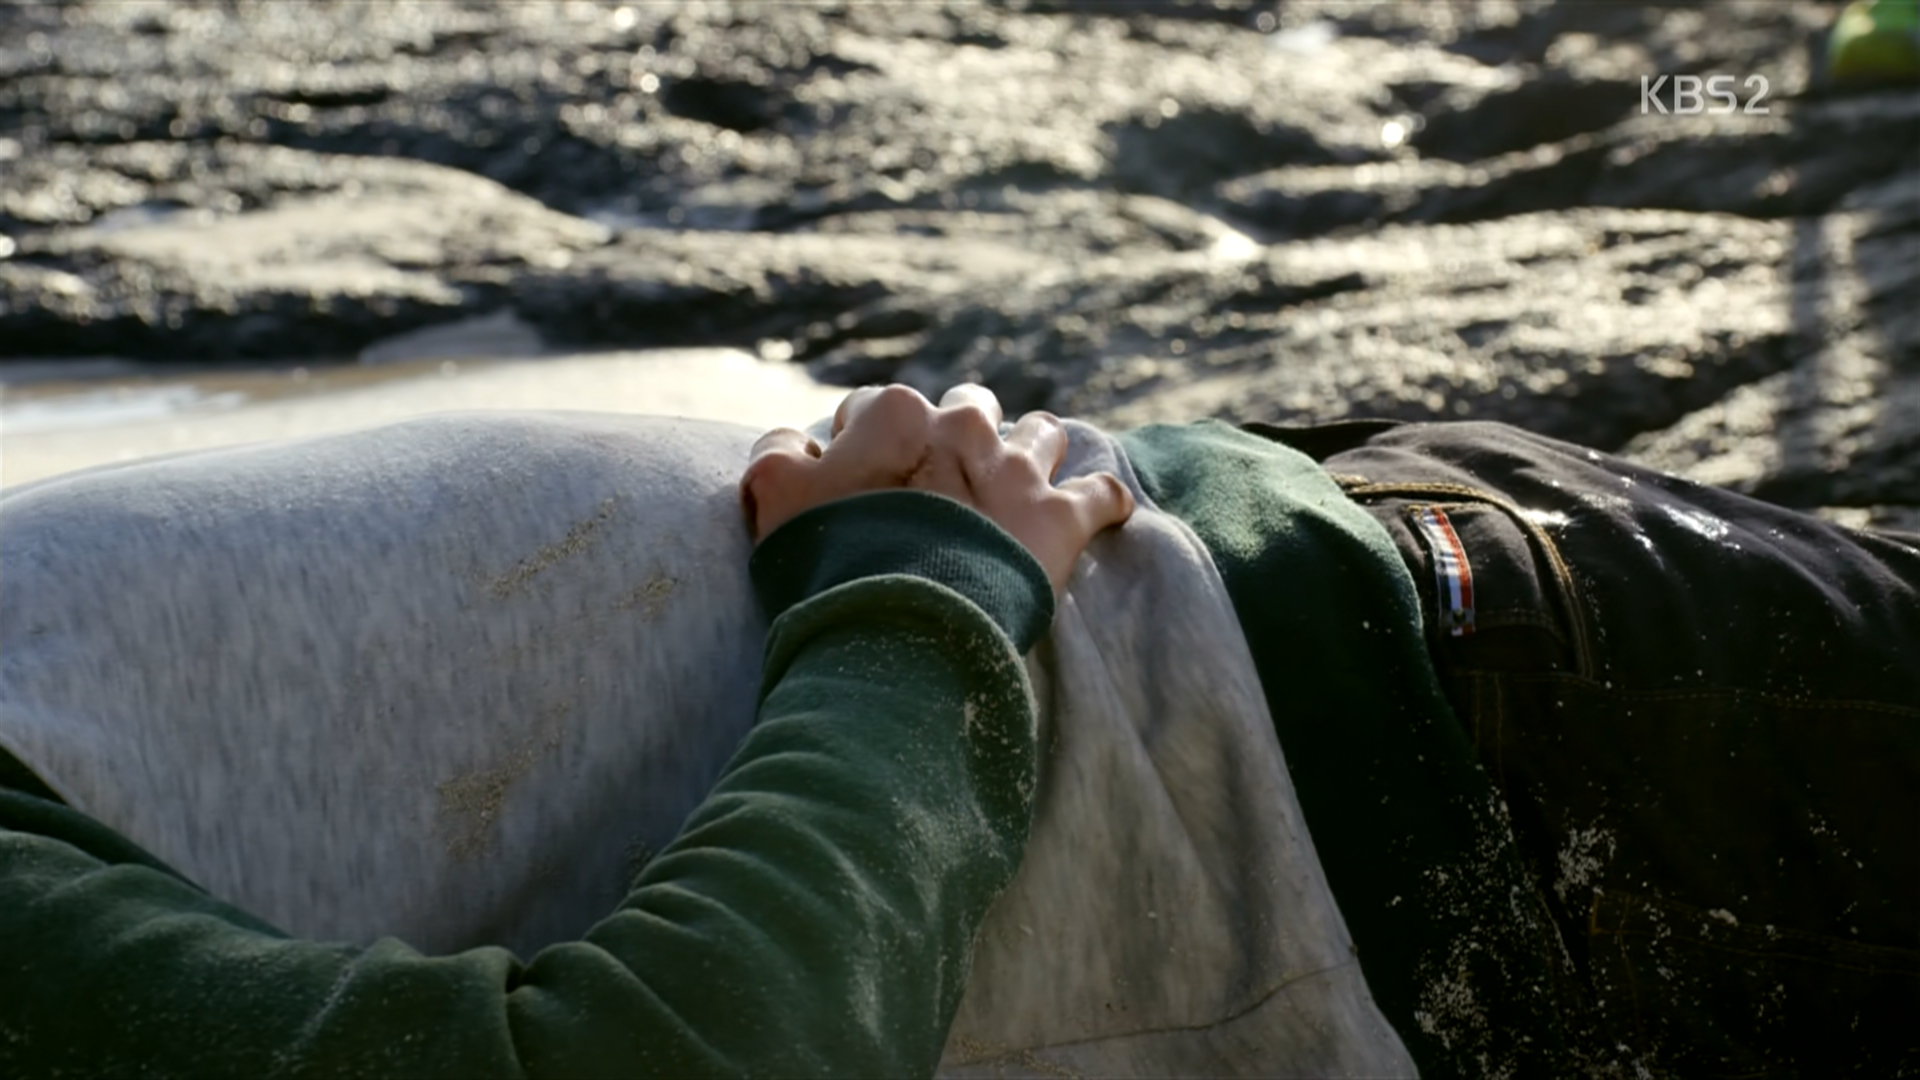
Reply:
x=906, y=532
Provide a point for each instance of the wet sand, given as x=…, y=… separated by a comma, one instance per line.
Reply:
x=52, y=425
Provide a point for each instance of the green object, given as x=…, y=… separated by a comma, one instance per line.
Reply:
x=815, y=916
x=1876, y=41
x=1415, y=846
x=853, y=845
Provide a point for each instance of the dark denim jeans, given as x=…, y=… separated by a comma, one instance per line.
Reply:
x=1704, y=714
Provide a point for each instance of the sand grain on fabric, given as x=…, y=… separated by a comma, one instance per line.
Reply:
x=439, y=680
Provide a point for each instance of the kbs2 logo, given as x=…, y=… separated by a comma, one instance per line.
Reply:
x=1690, y=94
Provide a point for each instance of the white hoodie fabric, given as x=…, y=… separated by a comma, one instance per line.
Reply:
x=454, y=680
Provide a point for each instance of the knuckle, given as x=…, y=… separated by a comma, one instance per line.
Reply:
x=774, y=466
x=970, y=421
x=898, y=400
x=975, y=395
x=853, y=400
x=773, y=440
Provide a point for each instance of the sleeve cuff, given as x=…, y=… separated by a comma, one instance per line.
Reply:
x=906, y=532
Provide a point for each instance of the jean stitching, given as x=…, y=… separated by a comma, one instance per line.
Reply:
x=1717, y=692
x=1633, y=984
x=1518, y=616
x=1476, y=716
x=1500, y=732
x=1516, y=612
x=1838, y=949
x=1764, y=954
x=1576, y=611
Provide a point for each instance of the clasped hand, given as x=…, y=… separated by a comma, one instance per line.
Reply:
x=891, y=437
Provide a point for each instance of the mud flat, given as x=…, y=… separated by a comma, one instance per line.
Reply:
x=1124, y=210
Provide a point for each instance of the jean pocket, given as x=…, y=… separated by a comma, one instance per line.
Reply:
x=1493, y=597
x=1702, y=993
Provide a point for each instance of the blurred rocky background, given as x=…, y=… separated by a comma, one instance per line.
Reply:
x=1126, y=211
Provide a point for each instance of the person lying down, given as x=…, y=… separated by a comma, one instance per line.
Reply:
x=930, y=743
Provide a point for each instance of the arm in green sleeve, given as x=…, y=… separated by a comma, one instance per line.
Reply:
x=815, y=916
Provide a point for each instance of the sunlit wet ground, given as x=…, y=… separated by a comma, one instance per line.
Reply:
x=62, y=416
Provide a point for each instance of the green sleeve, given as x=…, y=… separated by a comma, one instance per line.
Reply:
x=1406, y=825
x=815, y=916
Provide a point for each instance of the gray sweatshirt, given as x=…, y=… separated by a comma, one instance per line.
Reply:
x=303, y=674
